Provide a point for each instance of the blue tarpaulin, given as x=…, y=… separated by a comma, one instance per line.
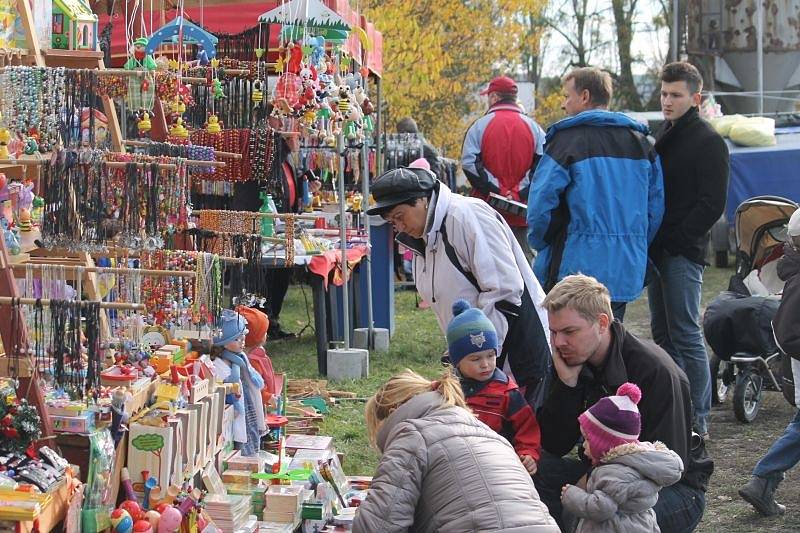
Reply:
x=773, y=170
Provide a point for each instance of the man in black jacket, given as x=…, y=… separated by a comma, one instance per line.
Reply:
x=592, y=356
x=695, y=163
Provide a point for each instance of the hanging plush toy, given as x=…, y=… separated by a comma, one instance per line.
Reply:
x=295, y=58
x=143, y=123
x=140, y=59
x=258, y=94
x=216, y=87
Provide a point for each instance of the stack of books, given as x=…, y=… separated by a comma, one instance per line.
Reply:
x=282, y=503
x=229, y=513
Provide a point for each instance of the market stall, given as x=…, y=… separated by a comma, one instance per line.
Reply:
x=137, y=393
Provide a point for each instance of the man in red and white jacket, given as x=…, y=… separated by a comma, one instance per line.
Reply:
x=501, y=150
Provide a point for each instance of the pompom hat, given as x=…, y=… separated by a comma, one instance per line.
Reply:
x=468, y=332
x=612, y=421
x=234, y=326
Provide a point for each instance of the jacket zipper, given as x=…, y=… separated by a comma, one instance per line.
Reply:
x=433, y=275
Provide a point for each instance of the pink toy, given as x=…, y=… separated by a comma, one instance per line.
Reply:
x=170, y=521
x=153, y=517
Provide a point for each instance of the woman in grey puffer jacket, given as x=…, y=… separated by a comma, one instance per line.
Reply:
x=441, y=469
x=623, y=487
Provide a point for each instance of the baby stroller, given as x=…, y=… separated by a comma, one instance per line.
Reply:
x=738, y=323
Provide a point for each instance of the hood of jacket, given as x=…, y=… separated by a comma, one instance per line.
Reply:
x=417, y=407
x=598, y=118
x=789, y=265
x=653, y=461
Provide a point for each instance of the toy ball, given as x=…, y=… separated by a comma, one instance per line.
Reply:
x=142, y=526
x=153, y=517
x=133, y=509
x=121, y=521
x=170, y=521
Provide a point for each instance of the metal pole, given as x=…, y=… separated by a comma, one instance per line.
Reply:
x=379, y=131
x=760, y=54
x=368, y=257
x=676, y=27
x=343, y=236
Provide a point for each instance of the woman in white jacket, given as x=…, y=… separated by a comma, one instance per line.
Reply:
x=464, y=249
x=442, y=470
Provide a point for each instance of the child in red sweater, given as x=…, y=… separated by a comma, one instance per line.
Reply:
x=493, y=397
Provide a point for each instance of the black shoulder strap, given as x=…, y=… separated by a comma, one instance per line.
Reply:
x=453, y=257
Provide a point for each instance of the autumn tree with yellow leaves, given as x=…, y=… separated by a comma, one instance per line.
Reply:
x=437, y=54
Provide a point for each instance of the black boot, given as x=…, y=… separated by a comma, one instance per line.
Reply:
x=760, y=493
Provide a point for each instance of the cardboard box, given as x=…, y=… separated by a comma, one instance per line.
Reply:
x=73, y=424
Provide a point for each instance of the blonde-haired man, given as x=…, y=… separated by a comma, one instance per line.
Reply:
x=592, y=356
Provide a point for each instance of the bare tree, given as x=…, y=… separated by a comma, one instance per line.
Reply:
x=579, y=23
x=624, y=14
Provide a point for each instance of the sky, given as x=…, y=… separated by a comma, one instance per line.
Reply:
x=650, y=44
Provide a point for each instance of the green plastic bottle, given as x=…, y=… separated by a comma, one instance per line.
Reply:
x=267, y=223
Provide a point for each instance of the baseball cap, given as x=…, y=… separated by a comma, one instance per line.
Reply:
x=501, y=84
x=398, y=185
x=793, y=227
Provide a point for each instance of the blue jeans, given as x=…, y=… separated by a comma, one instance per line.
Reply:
x=674, y=297
x=679, y=508
x=783, y=454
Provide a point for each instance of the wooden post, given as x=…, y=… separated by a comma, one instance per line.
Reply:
x=34, y=50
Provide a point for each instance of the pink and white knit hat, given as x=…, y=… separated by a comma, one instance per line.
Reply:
x=612, y=421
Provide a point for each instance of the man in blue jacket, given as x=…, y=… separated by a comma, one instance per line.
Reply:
x=597, y=195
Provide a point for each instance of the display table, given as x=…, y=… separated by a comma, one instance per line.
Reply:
x=318, y=271
x=771, y=170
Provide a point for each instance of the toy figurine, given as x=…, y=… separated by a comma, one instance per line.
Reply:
x=213, y=124
x=233, y=366
x=140, y=59
x=118, y=414
x=11, y=239
x=5, y=138
x=179, y=130
x=143, y=124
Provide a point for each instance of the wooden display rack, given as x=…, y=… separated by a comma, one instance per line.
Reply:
x=53, y=58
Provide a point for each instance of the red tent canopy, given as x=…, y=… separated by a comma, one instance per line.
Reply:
x=237, y=17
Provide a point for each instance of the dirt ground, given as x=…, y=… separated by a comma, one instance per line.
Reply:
x=736, y=447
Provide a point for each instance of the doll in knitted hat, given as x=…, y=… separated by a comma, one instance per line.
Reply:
x=493, y=397
x=257, y=327
x=231, y=365
x=623, y=486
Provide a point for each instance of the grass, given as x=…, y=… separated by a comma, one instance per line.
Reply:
x=418, y=344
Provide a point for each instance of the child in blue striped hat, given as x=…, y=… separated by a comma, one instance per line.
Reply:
x=493, y=397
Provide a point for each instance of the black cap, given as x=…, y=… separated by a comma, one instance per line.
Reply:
x=398, y=185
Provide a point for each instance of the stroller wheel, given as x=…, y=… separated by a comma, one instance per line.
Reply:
x=747, y=395
x=719, y=379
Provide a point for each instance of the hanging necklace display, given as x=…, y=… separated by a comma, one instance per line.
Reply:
x=32, y=102
x=93, y=349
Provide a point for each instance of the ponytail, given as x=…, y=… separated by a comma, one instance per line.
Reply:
x=404, y=386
